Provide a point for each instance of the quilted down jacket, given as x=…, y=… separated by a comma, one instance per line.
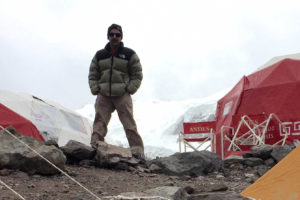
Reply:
x=114, y=74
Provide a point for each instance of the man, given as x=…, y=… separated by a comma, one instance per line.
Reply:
x=115, y=74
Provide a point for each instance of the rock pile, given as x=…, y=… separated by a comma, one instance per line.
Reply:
x=14, y=155
x=197, y=163
x=259, y=160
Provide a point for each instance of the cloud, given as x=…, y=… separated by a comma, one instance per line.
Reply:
x=188, y=49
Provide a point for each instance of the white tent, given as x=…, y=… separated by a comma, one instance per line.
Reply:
x=52, y=120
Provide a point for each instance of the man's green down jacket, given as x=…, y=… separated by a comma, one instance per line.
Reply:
x=115, y=74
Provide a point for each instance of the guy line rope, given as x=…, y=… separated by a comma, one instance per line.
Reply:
x=114, y=197
x=49, y=163
x=16, y=193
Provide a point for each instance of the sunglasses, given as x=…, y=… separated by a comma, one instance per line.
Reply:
x=114, y=34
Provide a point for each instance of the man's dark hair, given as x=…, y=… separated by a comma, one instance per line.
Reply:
x=115, y=26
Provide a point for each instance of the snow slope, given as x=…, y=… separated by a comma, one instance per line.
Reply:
x=159, y=122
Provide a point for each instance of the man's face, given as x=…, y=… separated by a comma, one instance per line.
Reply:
x=115, y=37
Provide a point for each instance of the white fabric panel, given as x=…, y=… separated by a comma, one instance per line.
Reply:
x=196, y=136
x=51, y=119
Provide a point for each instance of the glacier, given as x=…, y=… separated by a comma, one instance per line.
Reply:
x=159, y=122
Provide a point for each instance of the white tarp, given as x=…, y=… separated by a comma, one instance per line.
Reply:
x=51, y=119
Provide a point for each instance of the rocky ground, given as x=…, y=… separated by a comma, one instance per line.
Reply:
x=111, y=172
x=108, y=184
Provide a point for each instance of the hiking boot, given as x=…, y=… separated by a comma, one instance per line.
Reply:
x=139, y=156
x=94, y=146
x=95, y=139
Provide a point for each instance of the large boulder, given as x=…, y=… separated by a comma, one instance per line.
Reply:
x=253, y=161
x=279, y=152
x=113, y=156
x=76, y=152
x=164, y=192
x=262, y=151
x=15, y=155
x=195, y=163
x=169, y=192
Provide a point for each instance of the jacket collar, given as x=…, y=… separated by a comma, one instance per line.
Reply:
x=108, y=48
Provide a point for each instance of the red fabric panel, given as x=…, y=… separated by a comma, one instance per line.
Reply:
x=22, y=125
x=223, y=117
x=285, y=71
x=198, y=128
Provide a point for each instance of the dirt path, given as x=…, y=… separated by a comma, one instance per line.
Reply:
x=104, y=182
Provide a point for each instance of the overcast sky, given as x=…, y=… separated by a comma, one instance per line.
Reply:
x=188, y=49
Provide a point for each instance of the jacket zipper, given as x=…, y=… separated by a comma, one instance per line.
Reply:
x=111, y=64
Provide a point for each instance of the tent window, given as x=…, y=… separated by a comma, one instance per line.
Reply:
x=227, y=108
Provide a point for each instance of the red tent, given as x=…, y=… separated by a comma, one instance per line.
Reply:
x=273, y=89
x=22, y=125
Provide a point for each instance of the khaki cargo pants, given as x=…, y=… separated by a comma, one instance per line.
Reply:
x=104, y=107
